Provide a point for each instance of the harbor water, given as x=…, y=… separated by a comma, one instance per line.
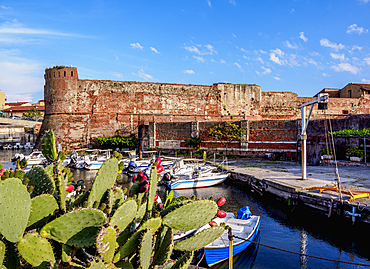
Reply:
x=281, y=228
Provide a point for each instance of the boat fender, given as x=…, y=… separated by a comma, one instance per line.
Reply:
x=243, y=213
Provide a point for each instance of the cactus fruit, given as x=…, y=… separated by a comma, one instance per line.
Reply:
x=200, y=239
x=41, y=181
x=105, y=243
x=15, y=207
x=145, y=249
x=64, y=228
x=221, y=214
x=104, y=180
x=42, y=207
x=124, y=215
x=36, y=250
x=198, y=212
x=48, y=146
x=164, y=246
x=221, y=201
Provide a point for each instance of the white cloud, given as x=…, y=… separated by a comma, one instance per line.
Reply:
x=312, y=61
x=116, y=57
x=118, y=75
x=277, y=78
x=136, y=46
x=4, y=7
x=199, y=58
x=154, y=50
x=291, y=46
x=367, y=60
x=232, y=2
x=355, y=48
x=337, y=56
x=209, y=3
x=274, y=57
x=355, y=29
x=260, y=60
x=143, y=75
x=204, y=49
x=238, y=65
x=188, y=72
x=301, y=36
x=233, y=35
x=20, y=77
x=326, y=43
x=346, y=67
x=222, y=61
x=365, y=80
x=265, y=72
x=325, y=75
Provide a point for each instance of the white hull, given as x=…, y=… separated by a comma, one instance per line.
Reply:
x=209, y=180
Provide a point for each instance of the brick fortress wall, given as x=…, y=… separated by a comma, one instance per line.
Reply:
x=78, y=110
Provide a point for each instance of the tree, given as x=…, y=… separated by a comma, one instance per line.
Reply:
x=32, y=113
x=194, y=143
x=227, y=132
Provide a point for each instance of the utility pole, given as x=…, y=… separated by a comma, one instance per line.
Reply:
x=322, y=101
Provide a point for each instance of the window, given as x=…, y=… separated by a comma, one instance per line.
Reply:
x=350, y=93
x=71, y=73
x=344, y=111
x=65, y=73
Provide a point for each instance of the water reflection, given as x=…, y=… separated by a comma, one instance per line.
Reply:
x=283, y=228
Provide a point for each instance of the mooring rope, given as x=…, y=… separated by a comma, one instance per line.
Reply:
x=302, y=254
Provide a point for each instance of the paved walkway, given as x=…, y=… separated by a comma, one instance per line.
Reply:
x=349, y=175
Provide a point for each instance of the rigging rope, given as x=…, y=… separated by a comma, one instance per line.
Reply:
x=302, y=254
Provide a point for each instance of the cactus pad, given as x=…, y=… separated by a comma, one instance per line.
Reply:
x=2, y=252
x=48, y=146
x=200, y=239
x=97, y=265
x=164, y=246
x=140, y=213
x=124, y=215
x=184, y=261
x=41, y=207
x=145, y=249
x=36, y=250
x=124, y=265
x=15, y=207
x=106, y=243
x=67, y=253
x=152, y=188
x=64, y=228
x=191, y=215
x=41, y=181
x=104, y=180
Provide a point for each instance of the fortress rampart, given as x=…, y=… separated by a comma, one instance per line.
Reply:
x=78, y=110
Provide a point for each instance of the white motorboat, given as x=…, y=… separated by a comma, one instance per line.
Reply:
x=35, y=157
x=95, y=161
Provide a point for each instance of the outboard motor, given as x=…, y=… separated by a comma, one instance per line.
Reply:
x=131, y=166
x=73, y=162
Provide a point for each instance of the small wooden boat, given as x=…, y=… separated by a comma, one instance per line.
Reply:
x=247, y=229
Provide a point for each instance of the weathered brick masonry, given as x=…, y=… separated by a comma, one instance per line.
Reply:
x=166, y=114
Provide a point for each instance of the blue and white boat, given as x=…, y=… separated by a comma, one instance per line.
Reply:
x=246, y=228
x=197, y=180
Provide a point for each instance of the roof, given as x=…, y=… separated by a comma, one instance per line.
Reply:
x=16, y=104
x=333, y=93
x=24, y=108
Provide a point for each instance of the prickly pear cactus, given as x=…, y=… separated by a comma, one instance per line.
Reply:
x=164, y=246
x=145, y=249
x=2, y=252
x=97, y=264
x=41, y=181
x=106, y=243
x=124, y=215
x=64, y=228
x=42, y=207
x=201, y=239
x=191, y=215
x=36, y=250
x=184, y=261
x=61, y=180
x=67, y=253
x=116, y=197
x=15, y=208
x=48, y=146
x=104, y=180
x=152, y=188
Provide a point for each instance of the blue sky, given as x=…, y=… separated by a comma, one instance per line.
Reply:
x=300, y=46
